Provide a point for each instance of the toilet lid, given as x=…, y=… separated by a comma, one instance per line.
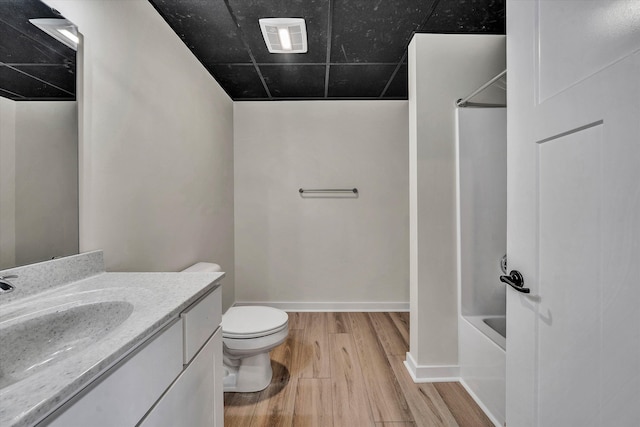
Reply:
x=252, y=321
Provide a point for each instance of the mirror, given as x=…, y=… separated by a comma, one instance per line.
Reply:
x=38, y=138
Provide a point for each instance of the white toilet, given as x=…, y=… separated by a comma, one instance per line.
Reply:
x=249, y=333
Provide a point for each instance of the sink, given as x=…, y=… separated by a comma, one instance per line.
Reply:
x=35, y=341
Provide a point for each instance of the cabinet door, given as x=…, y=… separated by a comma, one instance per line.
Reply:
x=195, y=398
x=123, y=395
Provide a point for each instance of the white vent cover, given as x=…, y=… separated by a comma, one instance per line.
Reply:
x=275, y=29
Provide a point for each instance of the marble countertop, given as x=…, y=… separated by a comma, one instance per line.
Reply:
x=155, y=298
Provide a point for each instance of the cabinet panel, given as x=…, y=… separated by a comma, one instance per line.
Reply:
x=218, y=368
x=121, y=396
x=200, y=321
x=195, y=398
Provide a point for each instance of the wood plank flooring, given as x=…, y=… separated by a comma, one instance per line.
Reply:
x=346, y=370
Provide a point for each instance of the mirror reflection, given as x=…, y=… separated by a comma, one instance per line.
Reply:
x=38, y=135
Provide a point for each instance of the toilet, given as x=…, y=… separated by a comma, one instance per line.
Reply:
x=249, y=333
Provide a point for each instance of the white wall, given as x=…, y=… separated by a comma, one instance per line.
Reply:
x=342, y=251
x=156, y=144
x=46, y=165
x=39, y=182
x=7, y=183
x=442, y=69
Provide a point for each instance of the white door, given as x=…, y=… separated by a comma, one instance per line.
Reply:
x=573, y=343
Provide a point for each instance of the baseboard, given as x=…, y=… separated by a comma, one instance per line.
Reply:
x=482, y=406
x=331, y=306
x=450, y=373
x=431, y=373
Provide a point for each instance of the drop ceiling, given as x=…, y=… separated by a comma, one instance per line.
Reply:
x=33, y=65
x=357, y=49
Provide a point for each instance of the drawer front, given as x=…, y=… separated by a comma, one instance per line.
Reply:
x=122, y=395
x=200, y=321
x=195, y=399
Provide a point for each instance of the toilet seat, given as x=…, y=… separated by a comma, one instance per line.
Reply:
x=255, y=335
x=250, y=322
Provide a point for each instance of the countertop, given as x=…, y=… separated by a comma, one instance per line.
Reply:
x=157, y=298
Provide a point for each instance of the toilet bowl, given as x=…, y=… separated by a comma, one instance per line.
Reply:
x=249, y=333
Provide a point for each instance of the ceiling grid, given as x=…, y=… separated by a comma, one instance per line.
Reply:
x=357, y=49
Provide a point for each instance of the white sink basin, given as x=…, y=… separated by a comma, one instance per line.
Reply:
x=34, y=341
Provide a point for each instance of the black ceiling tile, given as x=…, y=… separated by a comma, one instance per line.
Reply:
x=207, y=29
x=239, y=81
x=28, y=87
x=375, y=31
x=10, y=95
x=22, y=10
x=31, y=45
x=294, y=81
x=57, y=75
x=399, y=87
x=315, y=13
x=467, y=16
x=23, y=43
x=359, y=81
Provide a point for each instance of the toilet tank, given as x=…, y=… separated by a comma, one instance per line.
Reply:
x=203, y=267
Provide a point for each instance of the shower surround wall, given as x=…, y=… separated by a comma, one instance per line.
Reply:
x=482, y=204
x=482, y=230
x=322, y=253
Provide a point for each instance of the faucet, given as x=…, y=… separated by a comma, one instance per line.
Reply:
x=5, y=285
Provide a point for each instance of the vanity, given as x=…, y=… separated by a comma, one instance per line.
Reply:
x=82, y=347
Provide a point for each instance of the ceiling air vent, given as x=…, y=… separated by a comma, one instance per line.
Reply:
x=284, y=35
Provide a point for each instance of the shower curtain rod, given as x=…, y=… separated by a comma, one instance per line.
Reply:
x=464, y=102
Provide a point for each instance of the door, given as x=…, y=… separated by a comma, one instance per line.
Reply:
x=573, y=343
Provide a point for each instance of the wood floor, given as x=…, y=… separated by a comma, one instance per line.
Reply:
x=345, y=369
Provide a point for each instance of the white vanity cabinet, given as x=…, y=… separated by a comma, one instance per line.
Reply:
x=173, y=379
x=192, y=398
x=196, y=397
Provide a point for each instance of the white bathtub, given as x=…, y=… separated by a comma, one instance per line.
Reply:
x=491, y=326
x=482, y=359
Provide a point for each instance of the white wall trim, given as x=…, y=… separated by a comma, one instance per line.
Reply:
x=331, y=306
x=482, y=406
x=431, y=373
x=445, y=373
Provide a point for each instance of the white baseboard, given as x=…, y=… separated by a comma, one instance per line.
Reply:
x=431, y=373
x=450, y=373
x=331, y=306
x=482, y=406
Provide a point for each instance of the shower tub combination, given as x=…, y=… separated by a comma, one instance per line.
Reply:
x=482, y=231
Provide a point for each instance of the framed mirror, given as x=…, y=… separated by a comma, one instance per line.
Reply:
x=38, y=135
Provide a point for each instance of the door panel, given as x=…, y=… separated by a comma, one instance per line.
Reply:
x=570, y=289
x=578, y=38
x=573, y=348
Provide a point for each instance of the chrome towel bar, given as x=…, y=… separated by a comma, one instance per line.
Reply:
x=328, y=190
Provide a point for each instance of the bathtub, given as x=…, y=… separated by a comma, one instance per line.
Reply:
x=482, y=359
x=494, y=327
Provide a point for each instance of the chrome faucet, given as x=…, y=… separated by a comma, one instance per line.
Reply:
x=5, y=285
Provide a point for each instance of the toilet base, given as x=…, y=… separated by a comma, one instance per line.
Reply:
x=247, y=375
